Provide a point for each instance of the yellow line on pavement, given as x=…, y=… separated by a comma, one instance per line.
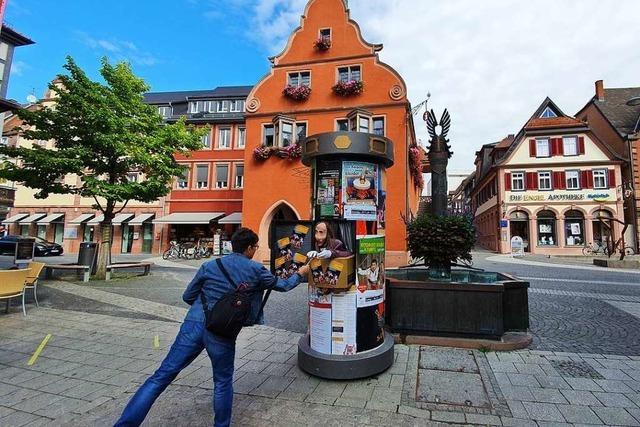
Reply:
x=156, y=341
x=39, y=350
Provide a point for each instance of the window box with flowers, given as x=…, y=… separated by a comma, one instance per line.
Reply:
x=291, y=152
x=322, y=44
x=348, y=88
x=415, y=166
x=297, y=93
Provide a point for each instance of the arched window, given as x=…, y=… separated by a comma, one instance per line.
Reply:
x=547, y=228
x=602, y=227
x=574, y=228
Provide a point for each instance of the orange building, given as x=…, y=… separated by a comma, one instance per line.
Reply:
x=334, y=80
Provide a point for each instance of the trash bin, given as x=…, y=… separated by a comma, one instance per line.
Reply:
x=88, y=255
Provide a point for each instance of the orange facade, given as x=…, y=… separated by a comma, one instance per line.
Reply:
x=280, y=188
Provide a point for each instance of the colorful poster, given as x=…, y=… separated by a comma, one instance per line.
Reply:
x=370, y=270
x=343, y=323
x=328, y=189
x=382, y=198
x=291, y=242
x=360, y=191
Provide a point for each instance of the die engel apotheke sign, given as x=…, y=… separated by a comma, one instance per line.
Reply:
x=595, y=196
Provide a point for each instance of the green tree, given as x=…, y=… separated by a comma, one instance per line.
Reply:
x=102, y=132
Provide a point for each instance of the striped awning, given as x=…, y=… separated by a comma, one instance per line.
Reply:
x=32, y=218
x=120, y=218
x=234, y=218
x=189, y=218
x=141, y=219
x=50, y=218
x=81, y=219
x=15, y=218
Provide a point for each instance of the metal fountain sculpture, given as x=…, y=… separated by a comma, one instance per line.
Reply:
x=439, y=152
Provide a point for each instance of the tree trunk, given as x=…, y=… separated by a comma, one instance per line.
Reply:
x=104, y=251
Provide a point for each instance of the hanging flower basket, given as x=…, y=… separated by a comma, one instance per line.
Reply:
x=350, y=88
x=322, y=44
x=297, y=93
x=415, y=166
x=294, y=151
x=262, y=153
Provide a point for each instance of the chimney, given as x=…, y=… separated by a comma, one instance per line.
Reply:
x=600, y=90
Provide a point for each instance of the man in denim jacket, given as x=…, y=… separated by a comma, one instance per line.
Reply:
x=193, y=337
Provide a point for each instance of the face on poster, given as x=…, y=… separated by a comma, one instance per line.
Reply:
x=370, y=271
x=360, y=190
x=328, y=188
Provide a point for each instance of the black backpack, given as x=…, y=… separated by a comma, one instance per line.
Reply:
x=232, y=311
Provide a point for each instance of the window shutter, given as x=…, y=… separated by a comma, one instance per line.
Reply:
x=532, y=180
x=556, y=180
x=612, y=178
x=584, y=179
x=507, y=182
x=562, y=180
x=560, y=149
x=581, y=145
x=532, y=148
x=589, y=179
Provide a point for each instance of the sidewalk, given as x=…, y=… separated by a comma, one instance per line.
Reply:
x=92, y=363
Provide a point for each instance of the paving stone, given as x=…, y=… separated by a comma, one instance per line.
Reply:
x=382, y=406
x=580, y=397
x=449, y=417
x=552, y=382
x=414, y=412
x=321, y=398
x=272, y=386
x=248, y=383
x=526, y=368
x=525, y=380
x=517, y=393
x=350, y=402
x=358, y=391
x=547, y=395
x=614, y=400
x=543, y=411
x=18, y=419
x=614, y=386
x=503, y=367
x=517, y=409
x=456, y=388
x=447, y=359
x=35, y=403
x=517, y=422
x=615, y=416
x=485, y=420
x=583, y=384
x=579, y=414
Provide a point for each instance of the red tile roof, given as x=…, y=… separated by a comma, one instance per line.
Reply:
x=506, y=142
x=553, y=122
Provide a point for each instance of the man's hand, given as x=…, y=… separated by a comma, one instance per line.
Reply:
x=312, y=254
x=303, y=270
x=325, y=254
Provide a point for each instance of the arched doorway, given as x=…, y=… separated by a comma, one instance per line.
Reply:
x=547, y=235
x=279, y=211
x=519, y=226
x=602, y=227
x=574, y=228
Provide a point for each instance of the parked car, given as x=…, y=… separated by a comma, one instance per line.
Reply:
x=42, y=247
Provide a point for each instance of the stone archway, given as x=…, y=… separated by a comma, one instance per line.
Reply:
x=280, y=210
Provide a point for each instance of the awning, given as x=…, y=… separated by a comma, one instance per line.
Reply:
x=141, y=219
x=234, y=218
x=97, y=220
x=81, y=219
x=120, y=218
x=15, y=218
x=50, y=218
x=32, y=218
x=189, y=218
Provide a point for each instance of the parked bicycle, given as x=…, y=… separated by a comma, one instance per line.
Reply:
x=596, y=248
x=173, y=252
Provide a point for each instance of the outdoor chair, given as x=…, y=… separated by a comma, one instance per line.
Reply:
x=32, y=279
x=12, y=284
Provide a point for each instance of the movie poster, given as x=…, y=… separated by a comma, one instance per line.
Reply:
x=370, y=269
x=328, y=189
x=360, y=191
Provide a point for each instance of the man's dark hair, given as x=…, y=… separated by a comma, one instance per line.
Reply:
x=242, y=239
x=374, y=260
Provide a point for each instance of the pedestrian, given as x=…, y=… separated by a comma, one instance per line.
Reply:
x=210, y=282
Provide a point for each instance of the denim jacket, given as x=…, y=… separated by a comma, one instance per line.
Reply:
x=212, y=282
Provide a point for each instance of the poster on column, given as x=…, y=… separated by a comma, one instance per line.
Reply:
x=360, y=191
x=320, y=320
x=343, y=323
x=328, y=189
x=371, y=276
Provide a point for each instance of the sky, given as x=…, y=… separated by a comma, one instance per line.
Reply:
x=491, y=62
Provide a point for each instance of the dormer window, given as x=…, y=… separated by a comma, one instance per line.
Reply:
x=224, y=106
x=165, y=111
x=548, y=113
x=237, y=106
x=201, y=107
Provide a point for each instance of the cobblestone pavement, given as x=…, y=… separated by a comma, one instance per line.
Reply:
x=93, y=362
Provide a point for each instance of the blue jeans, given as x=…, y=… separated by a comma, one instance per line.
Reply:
x=189, y=343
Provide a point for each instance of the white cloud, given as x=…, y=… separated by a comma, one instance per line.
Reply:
x=119, y=50
x=491, y=63
x=19, y=67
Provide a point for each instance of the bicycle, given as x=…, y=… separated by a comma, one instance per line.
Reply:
x=595, y=249
x=173, y=252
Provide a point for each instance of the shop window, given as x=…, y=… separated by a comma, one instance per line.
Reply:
x=268, y=135
x=301, y=131
x=378, y=126
x=517, y=181
x=239, y=178
x=342, y=125
x=202, y=176
x=87, y=235
x=242, y=137
x=183, y=181
x=542, y=147
x=24, y=230
x=574, y=228
x=42, y=232
x=224, y=138
x=544, y=181
x=299, y=78
x=600, y=178
x=570, y=145
x=347, y=74
x=547, y=228
x=222, y=176
x=573, y=180
x=206, y=140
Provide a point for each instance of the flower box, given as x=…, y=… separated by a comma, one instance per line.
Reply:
x=322, y=44
x=292, y=152
x=297, y=93
x=350, y=88
x=262, y=153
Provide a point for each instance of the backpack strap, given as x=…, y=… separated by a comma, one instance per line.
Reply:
x=224, y=271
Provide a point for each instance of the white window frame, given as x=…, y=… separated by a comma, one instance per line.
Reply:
x=548, y=147
x=568, y=179
x=548, y=113
x=520, y=178
x=600, y=173
x=264, y=135
x=221, y=104
x=241, y=138
x=298, y=75
x=545, y=176
x=564, y=145
x=187, y=181
x=349, y=72
x=384, y=124
x=219, y=185
x=198, y=186
x=206, y=140
x=227, y=146
x=233, y=105
x=132, y=177
x=165, y=111
x=295, y=129
x=280, y=126
x=235, y=175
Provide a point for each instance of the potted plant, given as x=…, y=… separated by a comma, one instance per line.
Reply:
x=297, y=93
x=262, y=153
x=348, y=88
x=322, y=44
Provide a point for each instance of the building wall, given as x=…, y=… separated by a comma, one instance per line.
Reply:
x=278, y=182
